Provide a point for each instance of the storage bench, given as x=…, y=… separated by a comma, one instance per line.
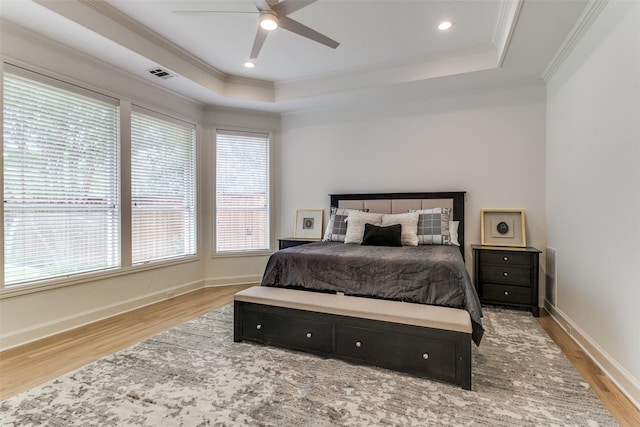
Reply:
x=423, y=340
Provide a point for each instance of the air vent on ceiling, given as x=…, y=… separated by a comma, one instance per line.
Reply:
x=159, y=72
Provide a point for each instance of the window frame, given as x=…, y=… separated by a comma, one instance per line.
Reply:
x=176, y=121
x=54, y=84
x=124, y=175
x=270, y=134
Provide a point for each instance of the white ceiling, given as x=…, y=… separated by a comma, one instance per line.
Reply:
x=389, y=49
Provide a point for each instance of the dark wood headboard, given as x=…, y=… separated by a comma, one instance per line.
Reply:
x=456, y=196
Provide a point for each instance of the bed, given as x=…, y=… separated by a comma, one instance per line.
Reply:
x=375, y=277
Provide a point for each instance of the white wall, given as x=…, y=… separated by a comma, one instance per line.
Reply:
x=593, y=191
x=491, y=145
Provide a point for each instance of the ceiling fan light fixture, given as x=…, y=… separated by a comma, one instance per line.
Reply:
x=249, y=64
x=445, y=25
x=268, y=20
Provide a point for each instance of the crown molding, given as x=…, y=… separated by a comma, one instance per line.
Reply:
x=508, y=13
x=584, y=22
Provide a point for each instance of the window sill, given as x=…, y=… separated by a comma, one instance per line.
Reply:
x=266, y=252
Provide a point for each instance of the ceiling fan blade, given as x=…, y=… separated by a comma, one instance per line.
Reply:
x=262, y=5
x=289, y=6
x=261, y=35
x=296, y=27
x=209, y=12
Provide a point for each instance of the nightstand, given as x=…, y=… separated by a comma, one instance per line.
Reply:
x=288, y=242
x=507, y=276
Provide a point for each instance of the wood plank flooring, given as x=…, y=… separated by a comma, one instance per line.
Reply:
x=33, y=364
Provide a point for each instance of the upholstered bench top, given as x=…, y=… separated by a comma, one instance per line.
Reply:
x=429, y=316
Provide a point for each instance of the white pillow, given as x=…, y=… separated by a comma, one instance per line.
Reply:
x=355, y=225
x=453, y=231
x=409, y=222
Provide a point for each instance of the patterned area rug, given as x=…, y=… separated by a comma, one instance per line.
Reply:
x=195, y=375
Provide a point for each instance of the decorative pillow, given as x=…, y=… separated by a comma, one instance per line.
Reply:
x=453, y=231
x=355, y=225
x=382, y=236
x=337, y=226
x=409, y=222
x=433, y=226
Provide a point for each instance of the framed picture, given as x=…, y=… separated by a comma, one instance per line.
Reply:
x=502, y=227
x=308, y=224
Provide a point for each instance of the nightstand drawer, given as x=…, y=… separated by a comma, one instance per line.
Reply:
x=506, y=274
x=506, y=258
x=506, y=294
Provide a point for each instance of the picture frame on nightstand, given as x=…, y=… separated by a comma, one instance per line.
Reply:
x=308, y=224
x=503, y=227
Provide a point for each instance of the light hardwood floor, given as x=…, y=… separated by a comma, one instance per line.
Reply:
x=33, y=364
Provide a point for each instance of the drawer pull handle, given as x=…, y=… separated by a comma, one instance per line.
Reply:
x=358, y=344
x=506, y=258
x=505, y=274
x=506, y=293
x=258, y=326
x=425, y=356
x=309, y=334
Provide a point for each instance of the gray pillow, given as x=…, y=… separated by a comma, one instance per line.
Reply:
x=433, y=226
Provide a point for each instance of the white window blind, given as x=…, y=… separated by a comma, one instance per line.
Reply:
x=61, y=172
x=163, y=187
x=242, y=191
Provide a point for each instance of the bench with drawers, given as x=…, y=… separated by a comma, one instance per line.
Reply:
x=423, y=340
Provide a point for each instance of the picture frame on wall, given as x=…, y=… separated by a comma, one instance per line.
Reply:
x=309, y=224
x=503, y=227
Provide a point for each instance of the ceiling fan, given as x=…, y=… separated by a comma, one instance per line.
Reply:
x=274, y=14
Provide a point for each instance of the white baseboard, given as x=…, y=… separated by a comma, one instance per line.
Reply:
x=44, y=330
x=252, y=279
x=629, y=385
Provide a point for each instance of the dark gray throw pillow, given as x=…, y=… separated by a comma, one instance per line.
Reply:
x=382, y=236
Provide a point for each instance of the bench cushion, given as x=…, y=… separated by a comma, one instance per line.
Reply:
x=429, y=316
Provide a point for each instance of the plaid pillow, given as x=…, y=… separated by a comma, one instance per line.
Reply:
x=337, y=227
x=433, y=226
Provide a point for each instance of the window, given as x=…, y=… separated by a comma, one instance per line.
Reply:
x=242, y=192
x=61, y=180
x=163, y=189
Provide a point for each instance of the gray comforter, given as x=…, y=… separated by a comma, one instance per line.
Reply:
x=426, y=274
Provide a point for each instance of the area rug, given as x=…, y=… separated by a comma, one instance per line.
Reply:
x=195, y=375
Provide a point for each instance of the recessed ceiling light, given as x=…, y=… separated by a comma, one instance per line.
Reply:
x=249, y=64
x=445, y=25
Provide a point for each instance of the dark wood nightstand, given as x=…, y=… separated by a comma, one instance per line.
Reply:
x=288, y=242
x=507, y=276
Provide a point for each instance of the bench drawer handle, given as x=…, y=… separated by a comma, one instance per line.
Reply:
x=258, y=326
x=309, y=334
x=505, y=274
x=425, y=356
x=358, y=344
x=505, y=259
x=506, y=293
